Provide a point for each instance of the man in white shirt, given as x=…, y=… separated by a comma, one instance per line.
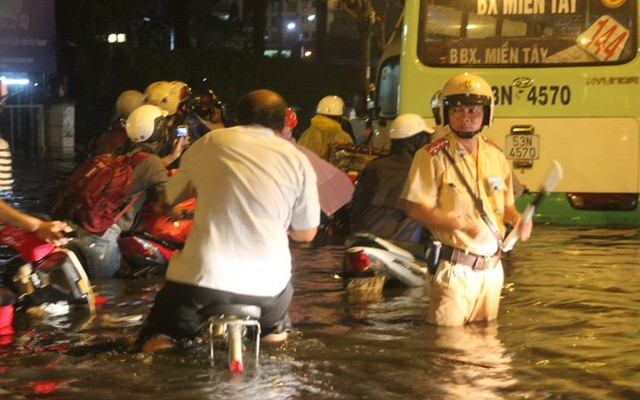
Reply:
x=253, y=191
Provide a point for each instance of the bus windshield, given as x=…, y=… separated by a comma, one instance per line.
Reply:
x=526, y=33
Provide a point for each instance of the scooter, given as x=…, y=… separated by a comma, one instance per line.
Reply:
x=369, y=256
x=147, y=248
x=43, y=275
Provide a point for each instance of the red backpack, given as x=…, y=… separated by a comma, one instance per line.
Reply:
x=113, y=139
x=94, y=197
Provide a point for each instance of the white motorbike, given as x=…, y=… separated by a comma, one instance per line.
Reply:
x=369, y=256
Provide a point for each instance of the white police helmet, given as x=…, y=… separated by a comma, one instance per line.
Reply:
x=466, y=89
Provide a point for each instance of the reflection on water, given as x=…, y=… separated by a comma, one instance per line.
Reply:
x=568, y=329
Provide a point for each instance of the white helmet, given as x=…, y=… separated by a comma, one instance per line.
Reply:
x=407, y=125
x=143, y=122
x=330, y=105
x=434, y=104
x=128, y=101
x=466, y=89
x=168, y=95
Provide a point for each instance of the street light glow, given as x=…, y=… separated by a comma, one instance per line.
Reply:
x=14, y=81
x=291, y=26
x=311, y=18
x=117, y=38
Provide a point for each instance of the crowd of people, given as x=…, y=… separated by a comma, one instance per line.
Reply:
x=256, y=191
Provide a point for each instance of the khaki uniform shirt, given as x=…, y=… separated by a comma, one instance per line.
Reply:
x=433, y=182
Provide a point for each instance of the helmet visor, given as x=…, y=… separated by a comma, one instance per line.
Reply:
x=466, y=100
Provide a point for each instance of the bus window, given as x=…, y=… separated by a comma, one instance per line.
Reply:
x=512, y=33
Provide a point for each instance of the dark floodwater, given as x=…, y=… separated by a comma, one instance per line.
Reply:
x=568, y=329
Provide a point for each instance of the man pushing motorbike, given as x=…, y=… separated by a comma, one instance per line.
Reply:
x=253, y=191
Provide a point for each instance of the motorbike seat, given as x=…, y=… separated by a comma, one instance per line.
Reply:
x=418, y=250
x=240, y=311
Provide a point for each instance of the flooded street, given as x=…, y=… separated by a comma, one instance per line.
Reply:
x=568, y=329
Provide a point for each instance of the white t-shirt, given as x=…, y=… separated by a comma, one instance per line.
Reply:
x=250, y=187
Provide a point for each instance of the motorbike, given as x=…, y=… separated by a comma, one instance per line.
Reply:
x=236, y=327
x=42, y=275
x=147, y=248
x=370, y=258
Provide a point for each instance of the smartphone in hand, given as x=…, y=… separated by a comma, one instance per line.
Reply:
x=182, y=131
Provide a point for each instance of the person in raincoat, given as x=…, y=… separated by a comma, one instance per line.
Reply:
x=326, y=130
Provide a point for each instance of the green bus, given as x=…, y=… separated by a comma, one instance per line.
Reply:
x=566, y=79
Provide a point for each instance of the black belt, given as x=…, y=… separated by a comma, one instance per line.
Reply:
x=477, y=263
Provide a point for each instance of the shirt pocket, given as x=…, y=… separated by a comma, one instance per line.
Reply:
x=496, y=199
x=455, y=198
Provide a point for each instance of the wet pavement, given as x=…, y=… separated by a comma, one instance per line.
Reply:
x=568, y=329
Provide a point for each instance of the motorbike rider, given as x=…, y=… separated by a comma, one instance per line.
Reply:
x=144, y=127
x=114, y=140
x=461, y=188
x=326, y=128
x=253, y=192
x=376, y=206
x=206, y=110
x=173, y=97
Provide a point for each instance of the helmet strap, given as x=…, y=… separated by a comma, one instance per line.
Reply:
x=465, y=135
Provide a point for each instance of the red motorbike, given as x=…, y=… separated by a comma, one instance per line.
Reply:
x=147, y=248
x=41, y=275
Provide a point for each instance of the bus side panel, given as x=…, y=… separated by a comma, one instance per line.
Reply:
x=598, y=155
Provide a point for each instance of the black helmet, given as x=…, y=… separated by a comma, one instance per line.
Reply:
x=204, y=102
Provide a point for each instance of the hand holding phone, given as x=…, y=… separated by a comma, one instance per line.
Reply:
x=182, y=130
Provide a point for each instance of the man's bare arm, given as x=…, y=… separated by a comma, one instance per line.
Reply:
x=302, y=235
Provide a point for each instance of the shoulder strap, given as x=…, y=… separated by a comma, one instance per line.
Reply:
x=476, y=201
x=435, y=147
x=138, y=156
x=134, y=159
